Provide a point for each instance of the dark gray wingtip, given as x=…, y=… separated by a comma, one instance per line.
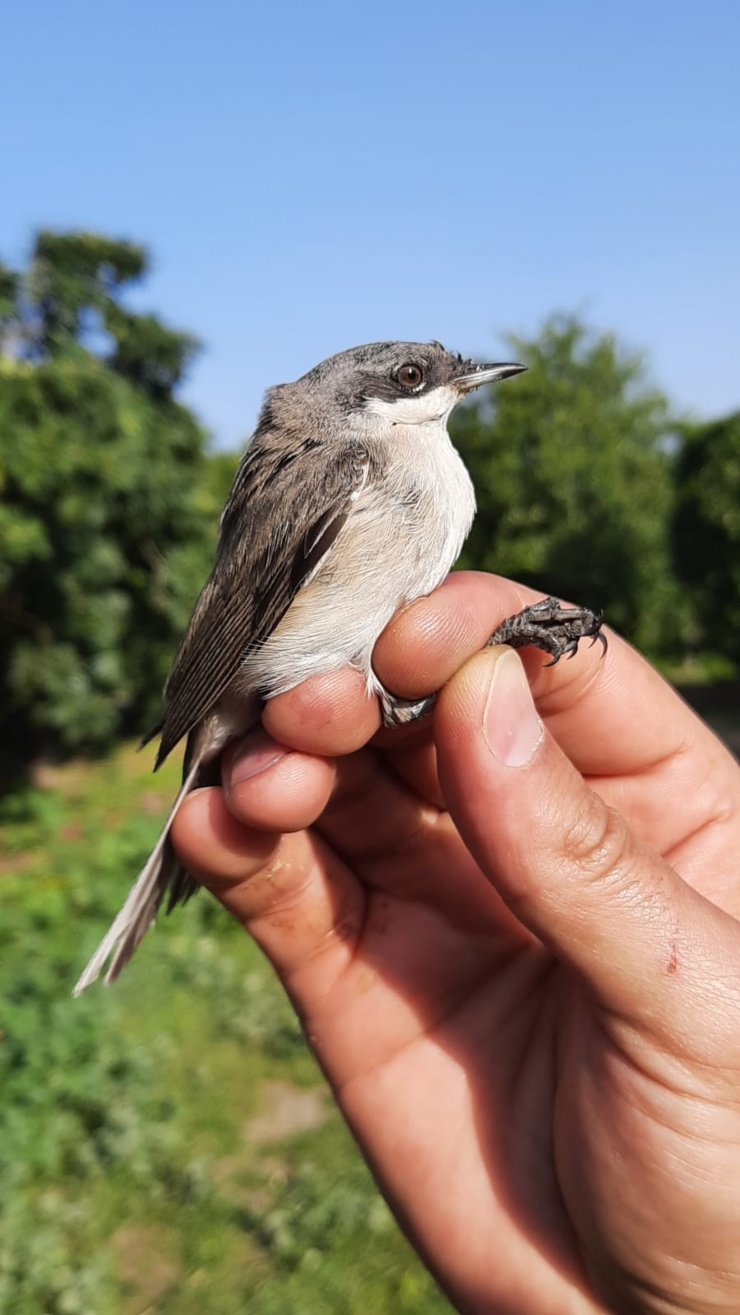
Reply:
x=152, y=735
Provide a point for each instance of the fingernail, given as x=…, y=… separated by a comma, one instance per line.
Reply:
x=252, y=755
x=511, y=727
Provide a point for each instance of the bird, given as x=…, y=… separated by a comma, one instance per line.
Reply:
x=350, y=501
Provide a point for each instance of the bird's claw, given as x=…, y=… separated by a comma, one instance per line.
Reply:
x=549, y=625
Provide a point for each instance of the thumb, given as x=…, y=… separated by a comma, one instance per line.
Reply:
x=566, y=864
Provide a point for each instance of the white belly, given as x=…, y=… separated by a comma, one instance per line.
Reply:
x=401, y=539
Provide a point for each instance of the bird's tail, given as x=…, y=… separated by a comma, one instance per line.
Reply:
x=161, y=873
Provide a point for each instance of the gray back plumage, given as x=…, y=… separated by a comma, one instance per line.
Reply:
x=281, y=517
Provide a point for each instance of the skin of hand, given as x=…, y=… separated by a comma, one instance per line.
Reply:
x=511, y=935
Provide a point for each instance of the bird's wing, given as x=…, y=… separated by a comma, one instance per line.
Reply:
x=282, y=517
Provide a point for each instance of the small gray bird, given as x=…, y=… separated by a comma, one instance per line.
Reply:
x=350, y=502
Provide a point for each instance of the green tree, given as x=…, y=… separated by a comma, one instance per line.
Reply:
x=107, y=508
x=707, y=531
x=573, y=480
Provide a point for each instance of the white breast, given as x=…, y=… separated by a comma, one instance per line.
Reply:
x=400, y=540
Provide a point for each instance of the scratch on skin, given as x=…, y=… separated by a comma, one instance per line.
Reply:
x=673, y=960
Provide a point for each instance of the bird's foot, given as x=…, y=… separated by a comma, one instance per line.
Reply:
x=548, y=625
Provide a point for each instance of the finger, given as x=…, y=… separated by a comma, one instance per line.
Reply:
x=425, y=644
x=332, y=715
x=390, y=834
x=650, y=947
x=270, y=787
x=402, y=846
x=414, y=760
x=296, y=899
x=326, y=715
x=368, y=976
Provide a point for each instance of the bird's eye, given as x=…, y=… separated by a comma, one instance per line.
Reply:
x=410, y=376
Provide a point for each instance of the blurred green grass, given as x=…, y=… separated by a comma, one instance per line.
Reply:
x=165, y=1146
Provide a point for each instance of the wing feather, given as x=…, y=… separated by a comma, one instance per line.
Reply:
x=281, y=518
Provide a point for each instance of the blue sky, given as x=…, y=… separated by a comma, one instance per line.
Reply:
x=310, y=176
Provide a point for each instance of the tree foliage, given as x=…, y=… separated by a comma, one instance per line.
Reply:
x=109, y=499
x=707, y=530
x=573, y=480
x=107, y=515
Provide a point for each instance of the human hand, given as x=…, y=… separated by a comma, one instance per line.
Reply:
x=522, y=981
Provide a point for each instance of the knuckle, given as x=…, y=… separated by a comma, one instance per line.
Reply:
x=598, y=842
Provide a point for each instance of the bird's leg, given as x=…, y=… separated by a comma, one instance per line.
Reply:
x=401, y=712
x=548, y=625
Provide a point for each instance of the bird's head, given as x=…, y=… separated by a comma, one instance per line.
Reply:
x=408, y=383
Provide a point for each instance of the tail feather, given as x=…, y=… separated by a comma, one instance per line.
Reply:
x=160, y=872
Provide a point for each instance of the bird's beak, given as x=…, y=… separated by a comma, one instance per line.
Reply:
x=474, y=376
